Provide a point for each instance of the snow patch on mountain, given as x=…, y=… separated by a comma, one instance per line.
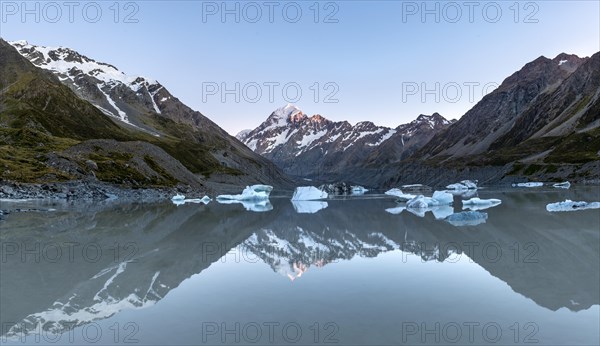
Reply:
x=82, y=74
x=64, y=60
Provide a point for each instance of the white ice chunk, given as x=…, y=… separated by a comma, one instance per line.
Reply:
x=438, y=198
x=564, y=185
x=419, y=202
x=308, y=193
x=463, y=185
x=204, y=200
x=358, y=190
x=569, y=205
x=470, y=184
x=181, y=200
x=413, y=186
x=401, y=195
x=442, y=198
x=262, y=188
x=480, y=204
x=250, y=193
x=530, y=184
x=309, y=207
x=178, y=197
x=467, y=218
x=456, y=186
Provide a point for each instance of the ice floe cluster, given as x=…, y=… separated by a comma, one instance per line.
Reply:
x=563, y=185
x=440, y=204
x=569, y=205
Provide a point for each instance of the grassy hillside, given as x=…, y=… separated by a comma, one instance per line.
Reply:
x=40, y=117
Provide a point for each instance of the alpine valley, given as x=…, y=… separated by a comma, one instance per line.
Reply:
x=541, y=123
x=65, y=117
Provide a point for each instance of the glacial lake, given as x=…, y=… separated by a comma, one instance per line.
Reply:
x=356, y=271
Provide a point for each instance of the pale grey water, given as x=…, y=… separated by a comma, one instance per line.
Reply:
x=350, y=273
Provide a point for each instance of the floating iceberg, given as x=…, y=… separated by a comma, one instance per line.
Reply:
x=564, y=185
x=470, y=184
x=308, y=193
x=414, y=186
x=178, y=201
x=531, y=184
x=569, y=205
x=250, y=193
x=467, y=218
x=309, y=207
x=438, y=198
x=463, y=185
x=253, y=198
x=401, y=195
x=178, y=197
x=442, y=198
x=456, y=186
x=480, y=204
x=203, y=200
x=358, y=190
x=419, y=202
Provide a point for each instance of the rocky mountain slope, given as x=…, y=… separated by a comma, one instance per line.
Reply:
x=54, y=99
x=317, y=148
x=541, y=123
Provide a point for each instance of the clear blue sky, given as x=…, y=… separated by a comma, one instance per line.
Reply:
x=374, y=50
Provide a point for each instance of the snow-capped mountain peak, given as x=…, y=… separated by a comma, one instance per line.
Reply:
x=295, y=141
x=66, y=62
x=287, y=112
x=242, y=134
x=124, y=97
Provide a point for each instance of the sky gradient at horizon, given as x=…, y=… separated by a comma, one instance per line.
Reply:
x=382, y=61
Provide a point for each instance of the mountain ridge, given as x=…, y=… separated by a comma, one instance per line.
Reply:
x=206, y=150
x=542, y=122
x=316, y=147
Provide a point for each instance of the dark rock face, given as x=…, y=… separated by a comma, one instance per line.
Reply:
x=524, y=103
x=320, y=149
x=340, y=188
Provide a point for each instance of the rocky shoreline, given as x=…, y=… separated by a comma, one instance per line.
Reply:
x=90, y=191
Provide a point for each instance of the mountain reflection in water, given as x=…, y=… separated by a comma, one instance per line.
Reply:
x=149, y=250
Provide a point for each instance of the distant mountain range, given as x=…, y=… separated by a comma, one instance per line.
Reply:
x=542, y=122
x=315, y=147
x=66, y=116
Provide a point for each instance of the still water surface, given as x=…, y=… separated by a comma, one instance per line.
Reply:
x=353, y=271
